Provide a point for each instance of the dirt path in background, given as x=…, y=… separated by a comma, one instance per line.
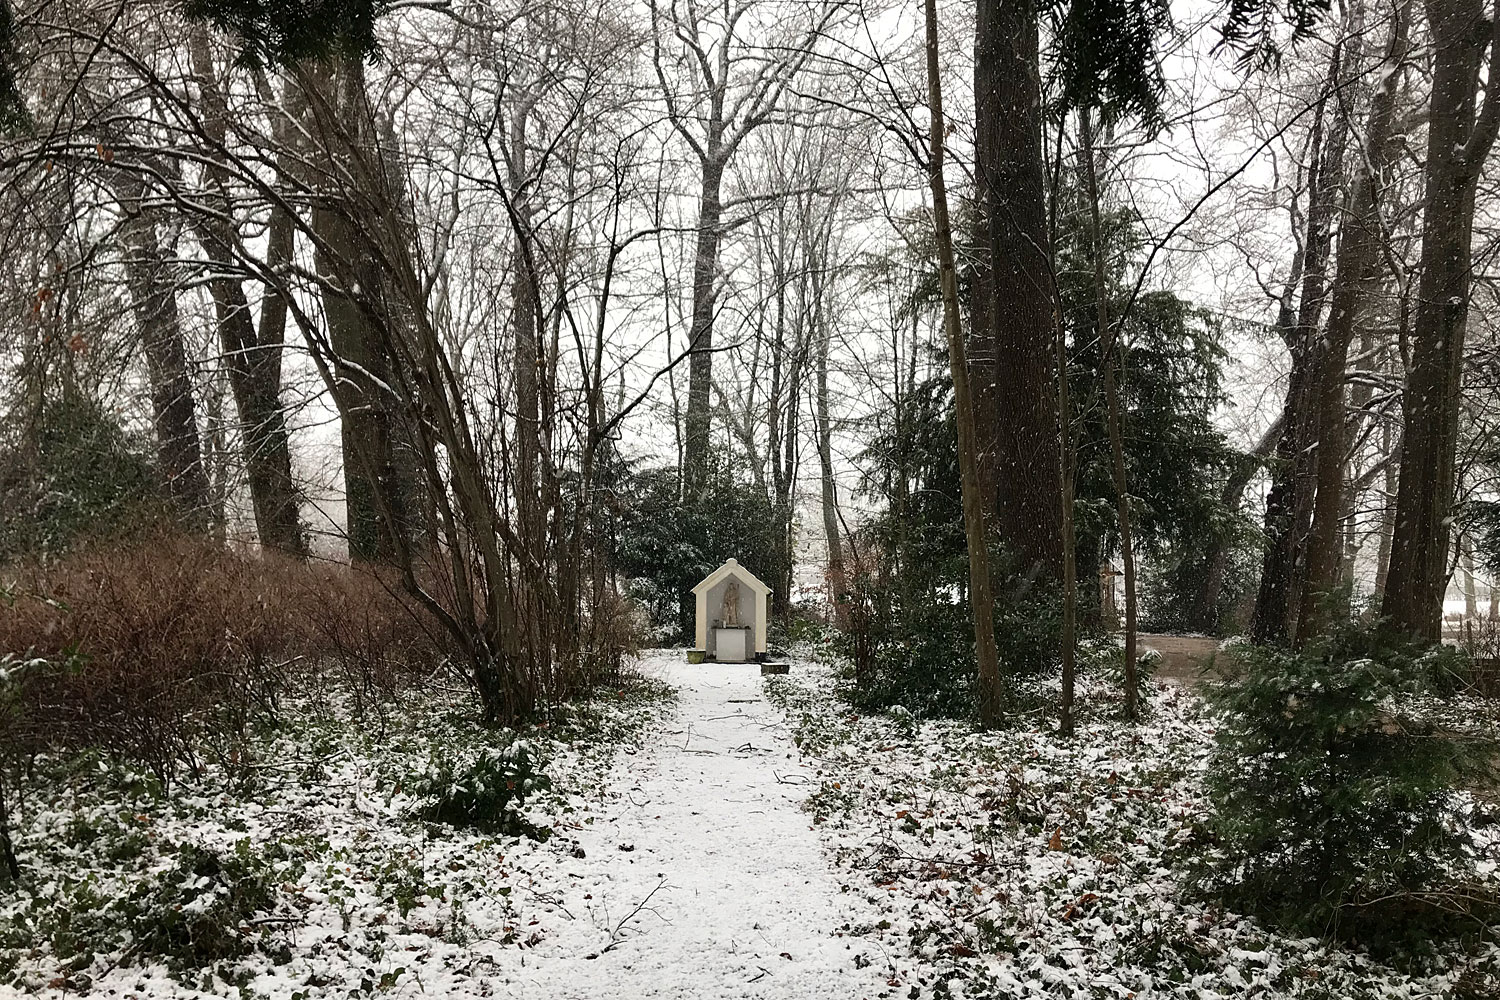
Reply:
x=1184, y=657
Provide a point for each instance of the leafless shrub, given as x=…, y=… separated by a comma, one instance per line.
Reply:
x=165, y=651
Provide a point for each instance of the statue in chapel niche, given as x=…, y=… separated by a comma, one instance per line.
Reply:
x=730, y=612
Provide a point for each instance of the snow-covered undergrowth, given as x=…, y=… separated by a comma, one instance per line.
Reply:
x=1017, y=864
x=302, y=866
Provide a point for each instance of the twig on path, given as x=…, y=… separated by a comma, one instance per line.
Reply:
x=786, y=779
x=614, y=935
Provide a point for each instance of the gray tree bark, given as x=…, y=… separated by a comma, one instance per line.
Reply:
x=153, y=294
x=253, y=363
x=1357, y=267
x=981, y=595
x=1458, y=142
x=1013, y=362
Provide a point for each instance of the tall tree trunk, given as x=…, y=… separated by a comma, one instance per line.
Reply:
x=697, y=443
x=365, y=433
x=263, y=431
x=1014, y=362
x=1209, y=614
x=153, y=294
x=1387, y=514
x=1457, y=146
x=217, y=461
x=1289, y=502
x=837, y=579
x=1111, y=350
x=1357, y=267
x=253, y=364
x=10, y=868
x=981, y=596
x=526, y=340
x=532, y=362
x=1471, y=592
x=352, y=293
x=784, y=464
x=1067, y=471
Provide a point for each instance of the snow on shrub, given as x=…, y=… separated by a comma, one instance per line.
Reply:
x=200, y=914
x=1326, y=768
x=486, y=792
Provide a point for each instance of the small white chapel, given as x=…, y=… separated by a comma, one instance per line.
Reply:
x=734, y=608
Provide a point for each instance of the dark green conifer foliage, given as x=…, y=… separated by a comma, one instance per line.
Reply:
x=666, y=543
x=916, y=643
x=285, y=31
x=1251, y=27
x=1335, y=798
x=1105, y=57
x=1170, y=362
x=83, y=477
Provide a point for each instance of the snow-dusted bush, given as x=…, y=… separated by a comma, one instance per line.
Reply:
x=486, y=792
x=917, y=650
x=1336, y=804
x=208, y=907
x=203, y=910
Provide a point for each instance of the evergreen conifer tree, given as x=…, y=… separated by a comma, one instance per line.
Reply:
x=1336, y=799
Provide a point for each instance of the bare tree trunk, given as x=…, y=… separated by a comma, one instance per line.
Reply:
x=736, y=89
x=257, y=395
x=1067, y=471
x=254, y=365
x=1357, y=266
x=1387, y=516
x=981, y=596
x=1289, y=502
x=1466, y=565
x=696, y=439
x=352, y=292
x=1111, y=350
x=1014, y=363
x=153, y=293
x=837, y=578
x=784, y=465
x=1269, y=621
x=365, y=431
x=526, y=341
x=532, y=362
x=217, y=461
x=10, y=868
x=1233, y=493
x=1458, y=143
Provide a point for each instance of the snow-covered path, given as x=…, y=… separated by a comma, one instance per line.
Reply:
x=744, y=903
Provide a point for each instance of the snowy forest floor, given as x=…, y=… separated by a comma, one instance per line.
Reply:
x=1017, y=864
x=746, y=838
x=681, y=865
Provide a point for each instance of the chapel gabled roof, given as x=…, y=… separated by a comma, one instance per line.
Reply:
x=732, y=566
